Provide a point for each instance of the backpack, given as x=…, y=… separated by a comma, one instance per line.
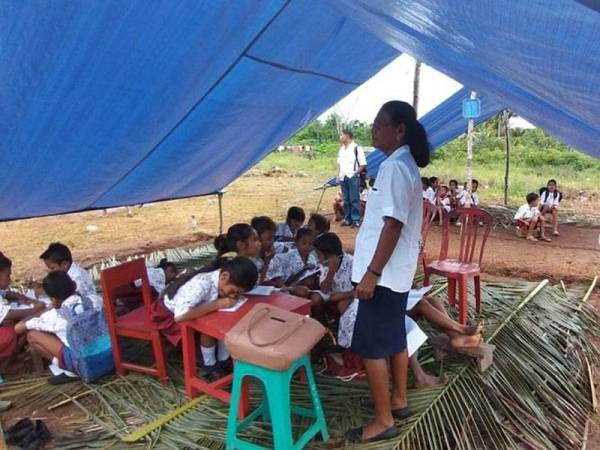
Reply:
x=363, y=173
x=89, y=342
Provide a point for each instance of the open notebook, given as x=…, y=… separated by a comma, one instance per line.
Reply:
x=235, y=307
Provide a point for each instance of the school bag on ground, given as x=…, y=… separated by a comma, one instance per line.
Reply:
x=89, y=342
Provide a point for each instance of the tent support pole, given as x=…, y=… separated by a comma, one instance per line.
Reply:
x=321, y=198
x=506, y=117
x=470, y=131
x=220, y=198
x=416, y=83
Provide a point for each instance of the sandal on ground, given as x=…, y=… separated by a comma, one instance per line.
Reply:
x=532, y=239
x=545, y=239
x=354, y=435
x=61, y=378
x=555, y=233
x=401, y=413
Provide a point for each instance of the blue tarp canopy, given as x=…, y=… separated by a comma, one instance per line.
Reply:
x=108, y=103
x=443, y=123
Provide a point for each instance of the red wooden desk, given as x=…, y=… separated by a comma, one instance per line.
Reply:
x=217, y=324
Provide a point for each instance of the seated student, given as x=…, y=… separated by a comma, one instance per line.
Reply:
x=160, y=276
x=265, y=228
x=286, y=266
x=461, y=336
x=9, y=344
x=335, y=279
x=338, y=207
x=286, y=231
x=550, y=198
x=318, y=223
x=363, y=196
x=528, y=218
x=428, y=193
x=464, y=195
x=201, y=292
x=444, y=205
x=434, y=184
x=58, y=257
x=47, y=334
x=241, y=240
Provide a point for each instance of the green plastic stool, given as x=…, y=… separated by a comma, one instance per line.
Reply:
x=275, y=406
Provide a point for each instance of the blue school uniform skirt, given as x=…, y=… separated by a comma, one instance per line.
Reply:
x=379, y=331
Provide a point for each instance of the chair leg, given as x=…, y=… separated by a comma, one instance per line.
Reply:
x=281, y=413
x=158, y=348
x=316, y=400
x=463, y=297
x=451, y=291
x=117, y=354
x=426, y=276
x=477, y=282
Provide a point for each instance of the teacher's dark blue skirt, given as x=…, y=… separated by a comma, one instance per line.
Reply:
x=379, y=331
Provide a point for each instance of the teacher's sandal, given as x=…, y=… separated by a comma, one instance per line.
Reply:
x=354, y=435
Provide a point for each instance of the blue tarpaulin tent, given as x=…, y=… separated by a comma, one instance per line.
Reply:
x=443, y=123
x=108, y=103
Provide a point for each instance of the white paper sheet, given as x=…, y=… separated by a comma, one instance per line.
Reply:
x=262, y=290
x=415, y=296
x=235, y=307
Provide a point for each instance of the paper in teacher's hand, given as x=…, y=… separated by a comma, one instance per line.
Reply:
x=415, y=296
x=261, y=290
x=414, y=336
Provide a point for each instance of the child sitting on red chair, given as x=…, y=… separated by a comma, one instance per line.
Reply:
x=528, y=218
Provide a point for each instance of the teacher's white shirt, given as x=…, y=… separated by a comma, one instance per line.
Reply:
x=397, y=193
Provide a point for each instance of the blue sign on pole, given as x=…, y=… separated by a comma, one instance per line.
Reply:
x=471, y=108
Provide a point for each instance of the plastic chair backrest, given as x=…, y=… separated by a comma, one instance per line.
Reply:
x=428, y=213
x=114, y=279
x=475, y=223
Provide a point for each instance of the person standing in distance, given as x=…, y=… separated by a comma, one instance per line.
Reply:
x=385, y=261
x=351, y=162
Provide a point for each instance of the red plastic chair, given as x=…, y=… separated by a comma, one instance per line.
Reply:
x=429, y=211
x=136, y=324
x=475, y=223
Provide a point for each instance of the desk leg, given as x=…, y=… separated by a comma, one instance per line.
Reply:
x=245, y=399
x=188, y=349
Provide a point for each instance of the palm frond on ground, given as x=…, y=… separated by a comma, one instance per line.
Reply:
x=536, y=395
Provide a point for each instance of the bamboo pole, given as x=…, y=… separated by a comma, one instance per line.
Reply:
x=588, y=293
x=506, y=117
x=416, y=84
x=220, y=198
x=470, y=130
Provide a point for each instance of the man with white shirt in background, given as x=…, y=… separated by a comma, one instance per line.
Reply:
x=351, y=163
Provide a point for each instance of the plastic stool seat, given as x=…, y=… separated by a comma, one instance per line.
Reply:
x=275, y=406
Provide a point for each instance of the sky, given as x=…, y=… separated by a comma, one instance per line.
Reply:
x=395, y=82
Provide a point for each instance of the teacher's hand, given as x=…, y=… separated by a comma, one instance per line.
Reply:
x=366, y=287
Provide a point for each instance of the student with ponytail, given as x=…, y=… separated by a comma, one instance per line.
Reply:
x=385, y=261
x=213, y=287
x=240, y=240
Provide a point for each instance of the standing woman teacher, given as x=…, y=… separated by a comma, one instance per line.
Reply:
x=385, y=261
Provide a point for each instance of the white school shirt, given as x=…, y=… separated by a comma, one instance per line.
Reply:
x=551, y=199
x=527, y=212
x=342, y=280
x=156, y=278
x=52, y=321
x=284, y=265
x=347, y=160
x=4, y=307
x=200, y=290
x=398, y=194
x=85, y=284
x=429, y=195
x=445, y=203
x=462, y=198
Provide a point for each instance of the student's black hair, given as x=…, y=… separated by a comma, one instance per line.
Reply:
x=453, y=181
x=552, y=180
x=532, y=197
x=432, y=180
x=262, y=224
x=348, y=133
x=474, y=181
x=329, y=243
x=5, y=263
x=322, y=223
x=165, y=264
x=57, y=253
x=59, y=285
x=296, y=213
x=416, y=137
x=304, y=232
x=242, y=272
x=228, y=242
x=425, y=181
